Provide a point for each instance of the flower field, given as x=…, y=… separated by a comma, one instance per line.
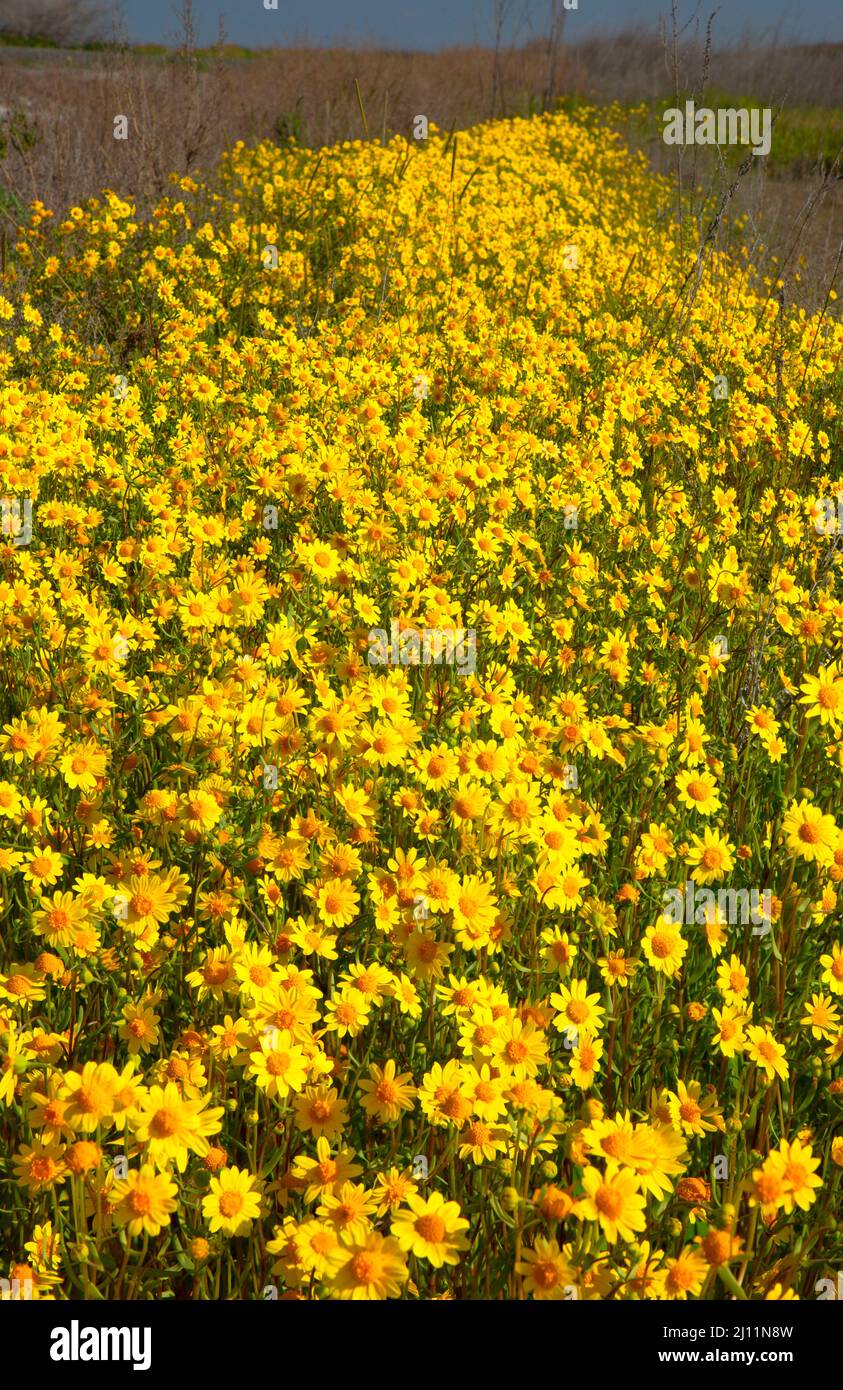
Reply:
x=335, y=967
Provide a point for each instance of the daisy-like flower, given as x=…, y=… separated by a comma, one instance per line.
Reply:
x=171, y=1127
x=613, y=1199
x=349, y=1210
x=482, y=1142
x=403, y=990
x=47, y=1112
x=436, y=766
x=475, y=908
x=22, y=986
x=392, y=1189
x=693, y=1113
x=545, y=1271
x=698, y=791
x=833, y=969
x=9, y=800
x=82, y=765
x=372, y=981
x=426, y=955
x=44, y=1250
x=617, y=968
x=143, y=1201
x=386, y=1095
x=710, y=857
x=253, y=967
x=319, y=1248
x=611, y=1139
x=821, y=1017
x=768, y=1054
x=321, y=560
x=319, y=1111
x=578, y=1011
x=810, y=833
x=233, y=1202
x=520, y=1046
x=370, y=1269
x=558, y=951
x=733, y=981
x=730, y=1036
x=585, y=1061
x=279, y=1066
x=657, y=1154
x=140, y=1030
x=42, y=867
x=801, y=1180
x=769, y=1189
x=823, y=696
x=485, y=1092
x=682, y=1276
x=89, y=1095
x=432, y=1229
x=719, y=1247
x=656, y=847
x=39, y=1167
x=128, y=1090
x=664, y=946
x=347, y=1014
x=148, y=900
x=324, y=1173
x=58, y=917
x=314, y=939
x=337, y=902
x=443, y=1094
x=228, y=1038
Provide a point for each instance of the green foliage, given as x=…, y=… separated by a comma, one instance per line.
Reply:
x=10, y=40
x=17, y=132
x=288, y=128
x=805, y=138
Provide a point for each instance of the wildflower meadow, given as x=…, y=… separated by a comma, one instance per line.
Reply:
x=421, y=737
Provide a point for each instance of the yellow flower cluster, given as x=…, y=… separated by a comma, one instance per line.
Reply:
x=359, y=951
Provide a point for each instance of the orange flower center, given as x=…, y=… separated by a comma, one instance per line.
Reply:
x=545, y=1274
x=660, y=945
x=431, y=1228
x=608, y=1202
x=164, y=1123
x=230, y=1203
x=278, y=1063
x=363, y=1267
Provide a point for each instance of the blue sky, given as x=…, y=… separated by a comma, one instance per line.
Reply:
x=430, y=24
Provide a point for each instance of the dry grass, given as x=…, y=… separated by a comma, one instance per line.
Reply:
x=185, y=107
x=181, y=116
